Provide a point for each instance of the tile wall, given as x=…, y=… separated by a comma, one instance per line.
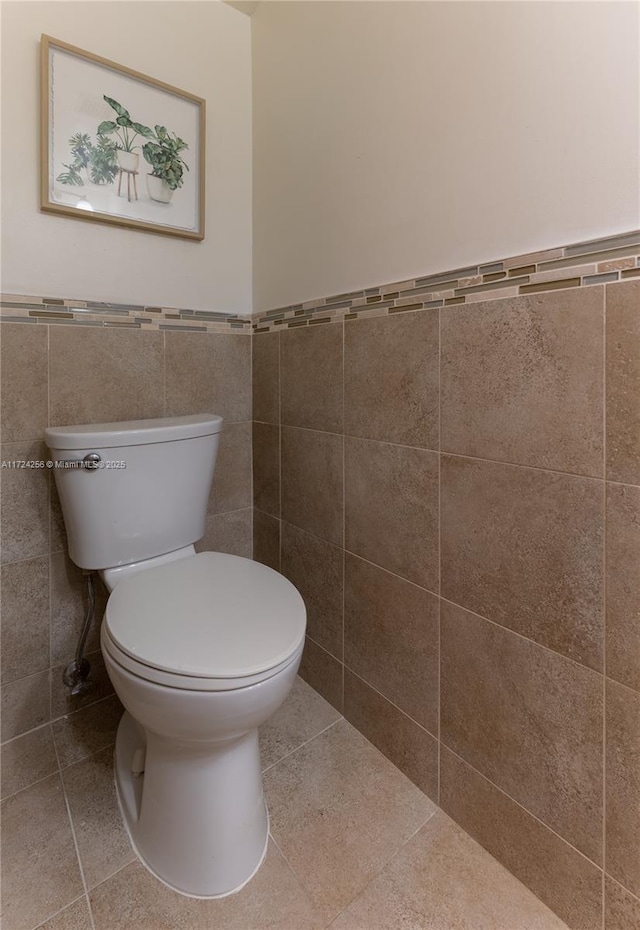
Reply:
x=58, y=371
x=455, y=489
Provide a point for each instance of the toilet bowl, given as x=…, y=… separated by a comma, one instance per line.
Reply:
x=201, y=648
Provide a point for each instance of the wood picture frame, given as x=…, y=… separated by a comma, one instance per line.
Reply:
x=119, y=147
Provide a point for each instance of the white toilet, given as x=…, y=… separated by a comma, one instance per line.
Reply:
x=201, y=649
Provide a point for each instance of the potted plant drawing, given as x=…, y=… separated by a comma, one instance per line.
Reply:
x=97, y=160
x=162, y=152
x=126, y=132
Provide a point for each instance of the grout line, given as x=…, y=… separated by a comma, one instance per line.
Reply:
x=397, y=707
x=522, y=807
x=48, y=723
x=550, y=471
x=306, y=742
x=62, y=909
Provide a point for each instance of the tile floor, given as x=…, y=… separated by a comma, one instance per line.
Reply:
x=354, y=846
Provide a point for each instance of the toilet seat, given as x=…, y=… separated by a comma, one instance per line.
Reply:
x=209, y=622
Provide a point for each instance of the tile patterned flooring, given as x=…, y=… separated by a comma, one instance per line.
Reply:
x=354, y=846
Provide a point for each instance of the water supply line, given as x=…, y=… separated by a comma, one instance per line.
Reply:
x=76, y=674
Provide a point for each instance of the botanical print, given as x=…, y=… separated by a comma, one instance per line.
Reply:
x=121, y=145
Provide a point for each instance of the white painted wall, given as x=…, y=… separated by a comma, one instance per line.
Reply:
x=395, y=139
x=201, y=47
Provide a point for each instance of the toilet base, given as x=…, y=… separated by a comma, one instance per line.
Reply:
x=196, y=815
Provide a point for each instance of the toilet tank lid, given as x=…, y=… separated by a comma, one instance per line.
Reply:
x=132, y=432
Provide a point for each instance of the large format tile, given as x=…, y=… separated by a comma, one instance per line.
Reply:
x=104, y=375
x=339, y=811
x=621, y=909
x=303, y=715
x=228, y=532
x=522, y=380
x=391, y=508
x=316, y=568
x=391, y=378
x=410, y=747
x=25, y=617
x=312, y=479
x=623, y=382
x=24, y=503
x=25, y=382
x=208, y=373
x=266, y=539
x=504, y=707
x=391, y=638
x=557, y=873
x=266, y=468
x=103, y=845
x=87, y=730
x=74, y=917
x=273, y=900
x=442, y=880
x=40, y=873
x=231, y=486
x=25, y=704
x=266, y=377
x=323, y=672
x=27, y=759
x=524, y=547
x=623, y=584
x=311, y=378
x=623, y=786
x=69, y=601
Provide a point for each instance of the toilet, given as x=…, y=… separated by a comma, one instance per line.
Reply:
x=201, y=648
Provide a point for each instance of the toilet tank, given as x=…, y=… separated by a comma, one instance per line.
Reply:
x=148, y=494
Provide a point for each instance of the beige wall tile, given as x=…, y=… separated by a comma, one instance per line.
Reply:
x=504, y=707
x=524, y=547
x=87, y=730
x=391, y=508
x=58, y=529
x=228, y=532
x=40, y=873
x=442, y=879
x=102, y=376
x=623, y=786
x=407, y=745
x=24, y=503
x=623, y=584
x=621, y=909
x=208, y=373
x=266, y=377
x=391, y=638
x=103, y=845
x=63, y=703
x=311, y=372
x=231, y=487
x=25, y=382
x=266, y=468
x=386, y=400
x=69, y=602
x=315, y=792
x=567, y=882
x=316, y=568
x=323, y=672
x=522, y=380
x=623, y=381
x=25, y=618
x=25, y=704
x=266, y=539
x=27, y=759
x=312, y=479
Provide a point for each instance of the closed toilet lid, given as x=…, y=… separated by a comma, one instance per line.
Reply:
x=211, y=615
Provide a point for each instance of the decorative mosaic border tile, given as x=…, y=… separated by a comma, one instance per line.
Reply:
x=19, y=309
x=600, y=261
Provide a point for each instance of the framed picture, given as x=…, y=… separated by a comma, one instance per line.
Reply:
x=120, y=147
